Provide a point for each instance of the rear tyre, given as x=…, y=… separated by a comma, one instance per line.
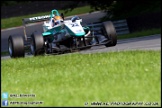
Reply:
x=37, y=44
x=16, y=46
x=110, y=33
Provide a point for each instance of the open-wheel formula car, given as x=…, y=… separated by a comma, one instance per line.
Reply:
x=65, y=36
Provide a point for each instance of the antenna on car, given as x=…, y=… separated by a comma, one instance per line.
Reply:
x=62, y=15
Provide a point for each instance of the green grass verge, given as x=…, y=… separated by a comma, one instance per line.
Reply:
x=4, y=53
x=17, y=21
x=140, y=33
x=73, y=79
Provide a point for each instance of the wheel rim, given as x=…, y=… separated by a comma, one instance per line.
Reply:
x=10, y=48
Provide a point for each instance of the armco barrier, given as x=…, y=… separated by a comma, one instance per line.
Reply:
x=120, y=26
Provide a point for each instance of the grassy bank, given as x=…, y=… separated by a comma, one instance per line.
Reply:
x=140, y=33
x=74, y=79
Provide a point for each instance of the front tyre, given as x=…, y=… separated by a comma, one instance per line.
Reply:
x=16, y=46
x=110, y=33
x=37, y=44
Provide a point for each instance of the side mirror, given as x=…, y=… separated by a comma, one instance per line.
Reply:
x=62, y=15
x=73, y=19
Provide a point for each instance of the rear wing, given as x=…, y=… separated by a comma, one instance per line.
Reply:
x=33, y=20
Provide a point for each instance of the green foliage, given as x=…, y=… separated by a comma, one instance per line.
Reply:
x=98, y=5
x=127, y=8
x=120, y=9
x=140, y=33
x=12, y=3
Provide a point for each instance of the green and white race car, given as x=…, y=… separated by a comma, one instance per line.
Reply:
x=65, y=36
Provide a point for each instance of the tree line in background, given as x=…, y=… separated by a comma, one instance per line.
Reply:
x=114, y=8
x=125, y=8
x=140, y=15
x=16, y=8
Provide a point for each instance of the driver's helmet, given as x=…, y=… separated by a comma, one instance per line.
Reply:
x=58, y=19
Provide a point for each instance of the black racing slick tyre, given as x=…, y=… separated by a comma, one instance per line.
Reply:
x=37, y=44
x=110, y=33
x=16, y=46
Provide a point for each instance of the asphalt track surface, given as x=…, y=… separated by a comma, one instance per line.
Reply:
x=86, y=19
x=152, y=42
